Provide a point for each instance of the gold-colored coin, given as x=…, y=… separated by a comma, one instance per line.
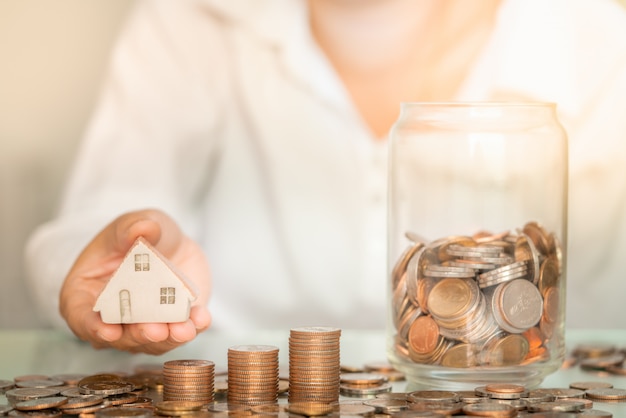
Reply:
x=450, y=298
x=461, y=355
x=549, y=274
x=122, y=412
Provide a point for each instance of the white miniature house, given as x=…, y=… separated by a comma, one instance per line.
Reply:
x=145, y=288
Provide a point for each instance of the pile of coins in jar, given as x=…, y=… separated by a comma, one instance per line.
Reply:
x=483, y=300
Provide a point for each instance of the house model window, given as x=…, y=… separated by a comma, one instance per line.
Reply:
x=142, y=262
x=144, y=271
x=168, y=295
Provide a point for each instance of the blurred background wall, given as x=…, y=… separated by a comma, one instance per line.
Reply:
x=53, y=57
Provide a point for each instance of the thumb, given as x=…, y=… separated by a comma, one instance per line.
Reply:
x=153, y=225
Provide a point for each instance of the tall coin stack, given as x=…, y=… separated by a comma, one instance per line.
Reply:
x=188, y=380
x=314, y=364
x=252, y=374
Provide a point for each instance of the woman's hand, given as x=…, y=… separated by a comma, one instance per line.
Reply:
x=101, y=258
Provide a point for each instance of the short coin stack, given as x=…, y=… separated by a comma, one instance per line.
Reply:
x=188, y=380
x=252, y=374
x=314, y=364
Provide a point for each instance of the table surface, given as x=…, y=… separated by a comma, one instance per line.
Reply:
x=48, y=352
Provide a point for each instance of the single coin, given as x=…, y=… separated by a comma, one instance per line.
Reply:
x=548, y=274
x=82, y=410
x=506, y=350
x=387, y=406
x=23, y=394
x=505, y=388
x=558, y=405
x=4, y=409
x=489, y=409
x=344, y=409
x=178, y=406
x=69, y=378
x=606, y=393
x=439, y=396
x=106, y=388
x=41, y=403
x=539, y=237
x=44, y=413
x=423, y=335
x=602, y=363
x=6, y=385
x=594, y=350
x=460, y=356
x=38, y=383
x=420, y=414
x=595, y=413
x=97, y=378
x=121, y=399
x=521, y=305
x=451, y=297
x=560, y=393
x=365, y=391
x=362, y=379
x=121, y=412
x=440, y=408
x=590, y=385
x=30, y=377
x=83, y=401
x=309, y=408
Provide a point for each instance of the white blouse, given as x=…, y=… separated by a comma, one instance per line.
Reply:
x=227, y=116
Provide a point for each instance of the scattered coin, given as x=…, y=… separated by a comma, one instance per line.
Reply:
x=606, y=393
x=41, y=403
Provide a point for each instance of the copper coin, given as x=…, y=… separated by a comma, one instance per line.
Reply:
x=83, y=410
x=97, y=378
x=121, y=399
x=106, y=388
x=362, y=379
x=490, y=410
x=69, y=378
x=121, y=412
x=309, y=408
x=30, y=377
x=505, y=388
x=423, y=335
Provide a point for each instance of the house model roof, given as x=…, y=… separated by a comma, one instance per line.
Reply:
x=146, y=287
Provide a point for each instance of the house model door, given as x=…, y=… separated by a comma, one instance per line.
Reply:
x=125, y=311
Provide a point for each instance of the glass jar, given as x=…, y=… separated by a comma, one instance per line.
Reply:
x=477, y=235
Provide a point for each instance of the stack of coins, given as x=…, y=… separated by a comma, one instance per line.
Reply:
x=314, y=364
x=363, y=385
x=188, y=380
x=252, y=374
